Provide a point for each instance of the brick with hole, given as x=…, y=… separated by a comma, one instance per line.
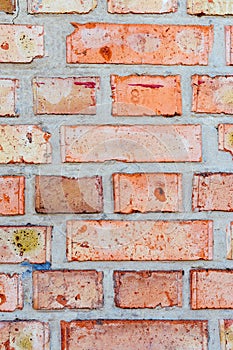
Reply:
x=131, y=143
x=142, y=6
x=24, y=335
x=11, y=292
x=99, y=240
x=134, y=335
x=210, y=7
x=21, y=43
x=8, y=97
x=148, y=289
x=139, y=44
x=211, y=289
x=213, y=191
x=147, y=192
x=12, y=200
x=25, y=243
x=71, y=289
x=65, y=95
x=146, y=95
x=60, y=194
x=61, y=6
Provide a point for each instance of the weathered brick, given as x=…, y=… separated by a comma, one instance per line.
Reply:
x=147, y=192
x=24, y=144
x=11, y=292
x=226, y=334
x=25, y=335
x=7, y=6
x=212, y=95
x=142, y=6
x=139, y=240
x=59, y=194
x=25, y=243
x=146, y=95
x=8, y=98
x=61, y=6
x=131, y=143
x=230, y=241
x=210, y=7
x=53, y=290
x=211, y=289
x=12, y=195
x=65, y=95
x=213, y=192
x=225, y=141
x=229, y=46
x=21, y=43
x=148, y=289
x=134, y=335
x=139, y=44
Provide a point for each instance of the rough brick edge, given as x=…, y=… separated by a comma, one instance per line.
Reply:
x=16, y=87
x=195, y=93
x=31, y=12
x=195, y=192
x=19, y=293
x=193, y=289
x=211, y=240
x=12, y=10
x=117, y=283
x=222, y=334
x=21, y=204
x=229, y=239
x=174, y=8
x=228, y=33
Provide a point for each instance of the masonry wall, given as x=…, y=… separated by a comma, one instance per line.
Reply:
x=116, y=177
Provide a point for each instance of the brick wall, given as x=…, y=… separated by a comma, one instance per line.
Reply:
x=116, y=177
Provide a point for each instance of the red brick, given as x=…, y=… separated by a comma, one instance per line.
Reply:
x=25, y=335
x=12, y=195
x=59, y=194
x=131, y=143
x=148, y=289
x=65, y=95
x=213, y=192
x=134, y=335
x=61, y=6
x=11, y=292
x=212, y=95
x=225, y=141
x=210, y=7
x=25, y=243
x=147, y=192
x=21, y=43
x=54, y=290
x=226, y=334
x=211, y=289
x=139, y=240
x=8, y=98
x=142, y=6
x=146, y=95
x=7, y=6
x=139, y=44
x=24, y=144
x=229, y=46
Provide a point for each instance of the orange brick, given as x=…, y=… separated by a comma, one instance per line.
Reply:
x=147, y=192
x=12, y=195
x=33, y=335
x=24, y=144
x=25, y=243
x=58, y=194
x=8, y=98
x=229, y=46
x=134, y=335
x=139, y=44
x=148, y=289
x=139, y=240
x=131, y=143
x=211, y=289
x=146, y=95
x=213, y=192
x=11, y=293
x=21, y=43
x=54, y=290
x=210, y=7
x=226, y=334
x=142, y=6
x=65, y=95
x=212, y=95
x=225, y=141
x=61, y=6
x=7, y=6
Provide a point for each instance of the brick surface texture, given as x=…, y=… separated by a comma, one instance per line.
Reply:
x=116, y=175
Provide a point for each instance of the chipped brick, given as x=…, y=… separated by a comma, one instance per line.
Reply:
x=11, y=293
x=61, y=6
x=210, y=7
x=142, y=6
x=8, y=97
